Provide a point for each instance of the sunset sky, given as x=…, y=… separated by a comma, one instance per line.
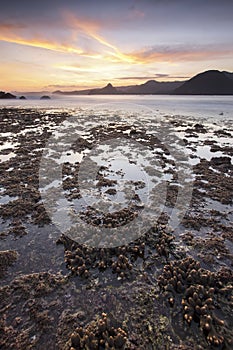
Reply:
x=77, y=44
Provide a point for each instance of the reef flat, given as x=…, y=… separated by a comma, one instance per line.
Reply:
x=109, y=280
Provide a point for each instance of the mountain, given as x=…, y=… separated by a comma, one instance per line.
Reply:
x=6, y=95
x=228, y=74
x=107, y=90
x=154, y=87
x=74, y=92
x=212, y=82
x=150, y=87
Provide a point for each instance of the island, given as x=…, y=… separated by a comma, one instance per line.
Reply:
x=45, y=97
x=6, y=95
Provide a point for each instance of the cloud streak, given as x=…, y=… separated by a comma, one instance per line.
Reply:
x=107, y=51
x=181, y=53
x=11, y=33
x=42, y=44
x=91, y=29
x=103, y=49
x=155, y=76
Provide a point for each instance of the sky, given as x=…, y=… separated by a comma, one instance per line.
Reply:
x=78, y=44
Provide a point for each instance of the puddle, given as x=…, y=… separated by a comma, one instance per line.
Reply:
x=194, y=161
x=216, y=205
x=8, y=145
x=70, y=157
x=6, y=199
x=55, y=183
x=33, y=251
x=6, y=157
x=205, y=152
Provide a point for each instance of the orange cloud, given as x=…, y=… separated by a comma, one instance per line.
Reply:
x=10, y=33
x=42, y=43
x=78, y=26
x=170, y=54
x=6, y=27
x=175, y=54
x=105, y=50
x=91, y=28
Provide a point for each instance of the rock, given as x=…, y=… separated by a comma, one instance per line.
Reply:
x=22, y=98
x=6, y=95
x=7, y=258
x=45, y=97
x=221, y=160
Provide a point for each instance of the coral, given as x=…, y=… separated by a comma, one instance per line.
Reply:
x=7, y=258
x=157, y=237
x=199, y=289
x=121, y=265
x=98, y=334
x=122, y=260
x=81, y=259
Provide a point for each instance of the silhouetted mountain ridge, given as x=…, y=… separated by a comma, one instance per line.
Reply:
x=228, y=74
x=107, y=90
x=212, y=82
x=154, y=87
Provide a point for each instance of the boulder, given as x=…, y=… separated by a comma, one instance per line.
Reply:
x=45, y=97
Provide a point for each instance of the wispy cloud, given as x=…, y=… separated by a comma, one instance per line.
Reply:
x=155, y=76
x=152, y=77
x=6, y=26
x=135, y=13
x=111, y=52
x=42, y=44
x=181, y=53
x=78, y=27
x=79, y=31
x=62, y=86
x=16, y=33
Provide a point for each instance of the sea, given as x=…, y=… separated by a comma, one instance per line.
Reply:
x=204, y=107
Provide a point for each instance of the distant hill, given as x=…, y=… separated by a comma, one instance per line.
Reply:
x=212, y=82
x=6, y=95
x=154, y=87
x=107, y=90
x=150, y=87
x=74, y=92
x=229, y=75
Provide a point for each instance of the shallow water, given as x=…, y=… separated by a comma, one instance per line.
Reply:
x=204, y=107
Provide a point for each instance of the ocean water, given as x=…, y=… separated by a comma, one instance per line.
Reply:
x=204, y=107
